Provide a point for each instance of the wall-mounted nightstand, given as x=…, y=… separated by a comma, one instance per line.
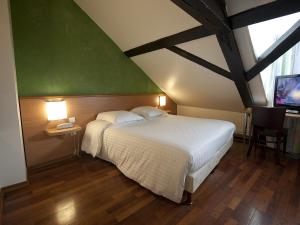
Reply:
x=73, y=131
x=169, y=111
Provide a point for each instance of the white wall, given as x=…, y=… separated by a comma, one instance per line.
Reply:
x=234, y=117
x=236, y=6
x=12, y=159
x=244, y=43
x=187, y=83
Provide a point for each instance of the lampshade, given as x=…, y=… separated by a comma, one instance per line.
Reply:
x=56, y=110
x=162, y=100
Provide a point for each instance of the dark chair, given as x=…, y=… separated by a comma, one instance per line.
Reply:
x=268, y=122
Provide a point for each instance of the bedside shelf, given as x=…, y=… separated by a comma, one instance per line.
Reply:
x=73, y=131
x=57, y=132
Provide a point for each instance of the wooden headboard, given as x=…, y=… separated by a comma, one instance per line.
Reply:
x=41, y=149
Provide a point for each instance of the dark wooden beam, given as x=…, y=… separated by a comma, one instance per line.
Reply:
x=205, y=12
x=264, y=12
x=232, y=56
x=258, y=14
x=234, y=61
x=282, y=45
x=200, y=61
x=184, y=36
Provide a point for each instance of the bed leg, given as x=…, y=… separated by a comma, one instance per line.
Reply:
x=187, y=198
x=214, y=169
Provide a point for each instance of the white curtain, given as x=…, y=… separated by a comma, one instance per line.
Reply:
x=264, y=35
x=288, y=64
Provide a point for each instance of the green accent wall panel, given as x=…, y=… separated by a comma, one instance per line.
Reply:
x=59, y=50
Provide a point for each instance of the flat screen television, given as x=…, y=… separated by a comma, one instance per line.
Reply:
x=287, y=92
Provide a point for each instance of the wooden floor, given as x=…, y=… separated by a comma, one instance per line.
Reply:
x=88, y=191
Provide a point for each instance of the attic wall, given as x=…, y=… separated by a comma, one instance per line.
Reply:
x=234, y=117
x=59, y=50
x=137, y=22
x=244, y=43
x=236, y=6
x=12, y=159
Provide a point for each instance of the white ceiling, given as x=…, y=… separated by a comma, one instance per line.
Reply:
x=206, y=48
x=236, y=6
x=188, y=83
x=131, y=23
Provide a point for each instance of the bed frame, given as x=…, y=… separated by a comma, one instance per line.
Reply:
x=195, y=179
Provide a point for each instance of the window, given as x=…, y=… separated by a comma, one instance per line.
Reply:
x=263, y=35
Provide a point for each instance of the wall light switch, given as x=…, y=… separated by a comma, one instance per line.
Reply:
x=72, y=119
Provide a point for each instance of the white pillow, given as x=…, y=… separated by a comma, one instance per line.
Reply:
x=148, y=111
x=119, y=116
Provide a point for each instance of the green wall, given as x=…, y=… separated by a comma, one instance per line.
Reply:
x=59, y=50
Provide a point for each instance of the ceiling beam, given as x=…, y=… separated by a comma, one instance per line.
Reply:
x=200, y=61
x=282, y=45
x=184, y=36
x=258, y=14
x=211, y=18
x=264, y=12
x=232, y=56
x=207, y=12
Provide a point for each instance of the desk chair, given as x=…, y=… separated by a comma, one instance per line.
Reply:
x=268, y=122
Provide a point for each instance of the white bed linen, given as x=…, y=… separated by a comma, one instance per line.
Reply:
x=92, y=139
x=159, y=153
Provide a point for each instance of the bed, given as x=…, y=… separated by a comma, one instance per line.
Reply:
x=167, y=155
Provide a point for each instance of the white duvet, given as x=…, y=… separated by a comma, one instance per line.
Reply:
x=158, y=153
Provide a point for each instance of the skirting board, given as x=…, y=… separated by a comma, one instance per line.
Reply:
x=13, y=187
x=50, y=164
x=1, y=205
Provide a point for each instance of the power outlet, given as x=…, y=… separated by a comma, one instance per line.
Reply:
x=72, y=119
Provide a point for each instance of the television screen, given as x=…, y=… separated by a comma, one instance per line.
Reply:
x=287, y=91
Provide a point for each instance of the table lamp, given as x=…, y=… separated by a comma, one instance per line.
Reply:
x=57, y=110
x=162, y=100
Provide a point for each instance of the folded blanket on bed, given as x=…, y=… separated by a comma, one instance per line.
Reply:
x=92, y=139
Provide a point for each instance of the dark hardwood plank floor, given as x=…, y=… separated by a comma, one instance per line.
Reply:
x=90, y=191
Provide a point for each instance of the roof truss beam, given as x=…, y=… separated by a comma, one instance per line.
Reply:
x=282, y=45
x=207, y=12
x=232, y=56
x=265, y=12
x=258, y=14
x=200, y=61
x=209, y=15
x=184, y=36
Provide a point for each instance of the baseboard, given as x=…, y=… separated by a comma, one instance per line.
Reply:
x=240, y=137
x=14, y=187
x=1, y=205
x=50, y=164
x=6, y=190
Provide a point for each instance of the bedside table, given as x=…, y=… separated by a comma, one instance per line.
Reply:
x=72, y=131
x=169, y=111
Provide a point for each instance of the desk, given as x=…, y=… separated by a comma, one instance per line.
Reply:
x=292, y=122
x=292, y=115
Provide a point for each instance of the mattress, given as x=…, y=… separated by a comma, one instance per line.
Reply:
x=199, y=138
x=160, y=153
x=195, y=179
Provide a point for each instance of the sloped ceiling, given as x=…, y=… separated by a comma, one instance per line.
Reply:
x=131, y=23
